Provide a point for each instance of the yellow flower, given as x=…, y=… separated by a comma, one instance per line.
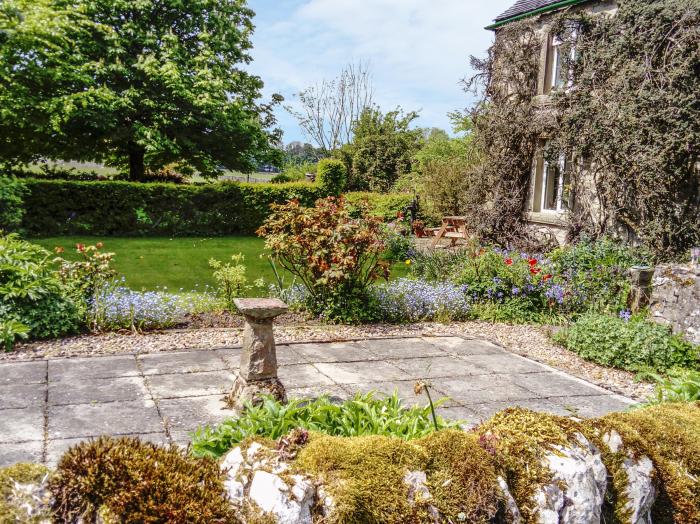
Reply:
x=408, y=262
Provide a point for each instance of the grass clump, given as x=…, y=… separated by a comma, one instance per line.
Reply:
x=12, y=508
x=138, y=482
x=668, y=435
x=365, y=477
x=519, y=440
x=362, y=415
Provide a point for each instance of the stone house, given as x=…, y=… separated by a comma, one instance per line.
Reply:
x=549, y=197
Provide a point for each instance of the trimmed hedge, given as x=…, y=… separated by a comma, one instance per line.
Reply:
x=113, y=208
x=60, y=207
x=383, y=205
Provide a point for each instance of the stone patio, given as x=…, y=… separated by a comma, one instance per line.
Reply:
x=46, y=406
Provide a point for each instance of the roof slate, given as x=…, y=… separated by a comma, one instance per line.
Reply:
x=524, y=6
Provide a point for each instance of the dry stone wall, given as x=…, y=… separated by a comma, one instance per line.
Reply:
x=675, y=299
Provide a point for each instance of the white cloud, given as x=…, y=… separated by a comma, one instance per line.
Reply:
x=418, y=49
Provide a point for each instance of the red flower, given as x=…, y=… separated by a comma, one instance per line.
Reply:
x=532, y=262
x=80, y=247
x=546, y=277
x=534, y=270
x=509, y=261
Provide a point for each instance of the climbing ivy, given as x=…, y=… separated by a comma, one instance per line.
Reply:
x=630, y=123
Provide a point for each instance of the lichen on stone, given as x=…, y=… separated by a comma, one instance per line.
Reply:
x=520, y=440
x=669, y=434
x=24, y=498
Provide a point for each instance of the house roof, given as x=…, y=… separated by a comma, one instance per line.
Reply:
x=524, y=8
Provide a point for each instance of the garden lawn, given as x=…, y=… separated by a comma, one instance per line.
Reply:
x=177, y=263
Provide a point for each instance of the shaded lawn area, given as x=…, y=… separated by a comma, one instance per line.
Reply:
x=177, y=263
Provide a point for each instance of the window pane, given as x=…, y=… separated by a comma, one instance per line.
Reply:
x=551, y=188
x=560, y=69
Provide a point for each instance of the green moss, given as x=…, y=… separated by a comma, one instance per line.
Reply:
x=139, y=482
x=520, y=439
x=365, y=477
x=461, y=477
x=23, y=474
x=669, y=434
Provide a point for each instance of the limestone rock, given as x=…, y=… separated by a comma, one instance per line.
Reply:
x=641, y=492
x=290, y=505
x=233, y=463
x=577, y=491
x=512, y=510
x=418, y=492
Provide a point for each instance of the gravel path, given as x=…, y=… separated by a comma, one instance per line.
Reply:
x=529, y=341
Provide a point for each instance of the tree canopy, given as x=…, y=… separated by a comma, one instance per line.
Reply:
x=137, y=83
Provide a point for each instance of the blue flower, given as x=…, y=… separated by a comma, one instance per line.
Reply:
x=626, y=315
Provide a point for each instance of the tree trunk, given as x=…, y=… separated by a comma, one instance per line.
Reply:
x=137, y=166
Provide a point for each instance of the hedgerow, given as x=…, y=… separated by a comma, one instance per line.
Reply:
x=110, y=208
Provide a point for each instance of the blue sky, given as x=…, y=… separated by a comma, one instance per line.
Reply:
x=418, y=50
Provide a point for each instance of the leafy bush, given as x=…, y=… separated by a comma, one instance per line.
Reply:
x=89, y=274
x=10, y=331
x=294, y=172
x=680, y=386
x=231, y=279
x=335, y=256
x=399, y=247
x=409, y=300
x=136, y=481
x=332, y=176
x=362, y=415
x=31, y=292
x=596, y=272
x=635, y=345
x=57, y=207
x=12, y=192
x=386, y=207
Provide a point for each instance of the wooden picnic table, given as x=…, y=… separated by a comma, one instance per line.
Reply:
x=453, y=227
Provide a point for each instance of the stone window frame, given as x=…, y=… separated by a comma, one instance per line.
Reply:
x=564, y=199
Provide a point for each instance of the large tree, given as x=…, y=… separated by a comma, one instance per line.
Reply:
x=161, y=82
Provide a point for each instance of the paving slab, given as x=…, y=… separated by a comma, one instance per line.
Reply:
x=592, y=406
x=359, y=372
x=111, y=418
x=404, y=388
x=56, y=448
x=466, y=416
x=335, y=393
x=92, y=367
x=187, y=414
x=190, y=362
x=190, y=384
x=333, y=352
x=460, y=346
x=24, y=452
x=287, y=355
x=436, y=367
x=506, y=363
x=549, y=384
x=21, y=425
x=22, y=396
x=485, y=410
x=302, y=375
x=23, y=373
x=401, y=348
x=92, y=390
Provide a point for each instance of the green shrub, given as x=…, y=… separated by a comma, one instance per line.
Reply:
x=387, y=207
x=59, y=207
x=399, y=247
x=12, y=192
x=10, y=331
x=596, y=272
x=332, y=176
x=31, y=292
x=634, y=345
x=134, y=481
x=334, y=256
x=294, y=172
x=680, y=386
x=362, y=415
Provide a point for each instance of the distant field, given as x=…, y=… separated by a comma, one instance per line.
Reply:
x=177, y=263
x=109, y=172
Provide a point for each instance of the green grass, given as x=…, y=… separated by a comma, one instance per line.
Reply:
x=177, y=263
